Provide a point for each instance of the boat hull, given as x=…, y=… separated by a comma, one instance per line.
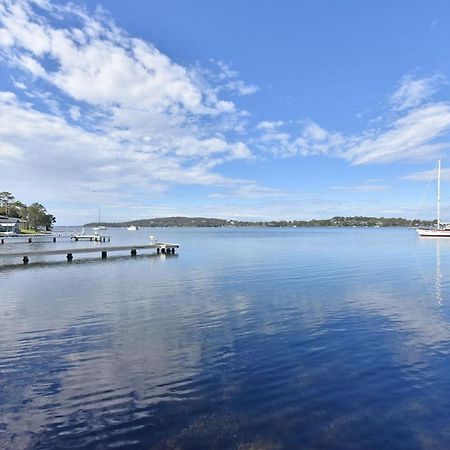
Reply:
x=433, y=233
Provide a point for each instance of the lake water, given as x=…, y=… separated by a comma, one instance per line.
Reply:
x=246, y=339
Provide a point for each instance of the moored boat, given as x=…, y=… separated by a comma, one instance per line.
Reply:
x=441, y=230
x=433, y=232
x=99, y=227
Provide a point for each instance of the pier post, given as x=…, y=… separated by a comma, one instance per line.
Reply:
x=173, y=250
x=104, y=255
x=29, y=240
x=158, y=250
x=69, y=257
x=26, y=260
x=54, y=239
x=3, y=241
x=133, y=252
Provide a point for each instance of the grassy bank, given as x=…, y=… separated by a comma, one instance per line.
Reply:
x=30, y=231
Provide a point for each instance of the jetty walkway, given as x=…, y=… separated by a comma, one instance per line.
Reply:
x=26, y=254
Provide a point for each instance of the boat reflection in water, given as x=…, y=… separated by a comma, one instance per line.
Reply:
x=438, y=279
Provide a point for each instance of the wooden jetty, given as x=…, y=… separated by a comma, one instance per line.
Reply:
x=104, y=250
x=53, y=237
x=91, y=237
x=29, y=238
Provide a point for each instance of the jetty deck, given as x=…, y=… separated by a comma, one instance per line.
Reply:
x=6, y=239
x=103, y=250
x=38, y=237
x=91, y=237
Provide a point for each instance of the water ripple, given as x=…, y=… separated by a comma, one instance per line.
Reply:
x=250, y=339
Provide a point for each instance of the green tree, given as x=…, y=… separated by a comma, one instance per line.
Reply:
x=6, y=198
x=17, y=209
x=37, y=216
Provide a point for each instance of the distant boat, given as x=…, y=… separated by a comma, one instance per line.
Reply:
x=99, y=227
x=132, y=228
x=441, y=230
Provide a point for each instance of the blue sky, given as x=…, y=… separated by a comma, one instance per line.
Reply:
x=236, y=109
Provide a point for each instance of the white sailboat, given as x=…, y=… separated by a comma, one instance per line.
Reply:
x=99, y=227
x=132, y=228
x=441, y=230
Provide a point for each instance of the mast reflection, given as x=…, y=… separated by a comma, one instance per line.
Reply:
x=438, y=279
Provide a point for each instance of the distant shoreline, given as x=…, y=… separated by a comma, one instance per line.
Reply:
x=205, y=222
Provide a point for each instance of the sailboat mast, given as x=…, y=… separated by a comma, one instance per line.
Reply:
x=439, y=196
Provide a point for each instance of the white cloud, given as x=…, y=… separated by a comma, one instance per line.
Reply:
x=413, y=91
x=143, y=121
x=269, y=125
x=225, y=79
x=407, y=134
x=242, y=88
x=10, y=152
x=414, y=137
x=308, y=139
x=74, y=112
x=68, y=163
x=19, y=84
x=427, y=175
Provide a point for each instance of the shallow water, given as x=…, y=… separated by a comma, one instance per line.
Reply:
x=245, y=339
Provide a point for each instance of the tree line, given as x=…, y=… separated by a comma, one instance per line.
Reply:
x=338, y=221
x=35, y=214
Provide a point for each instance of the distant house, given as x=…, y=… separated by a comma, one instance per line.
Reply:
x=12, y=224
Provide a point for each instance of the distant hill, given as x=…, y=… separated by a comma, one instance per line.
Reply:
x=358, y=221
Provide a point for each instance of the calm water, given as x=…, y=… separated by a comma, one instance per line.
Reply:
x=247, y=339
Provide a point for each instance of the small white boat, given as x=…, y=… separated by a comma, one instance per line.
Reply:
x=441, y=230
x=132, y=228
x=99, y=227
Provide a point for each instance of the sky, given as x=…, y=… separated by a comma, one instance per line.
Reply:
x=238, y=109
